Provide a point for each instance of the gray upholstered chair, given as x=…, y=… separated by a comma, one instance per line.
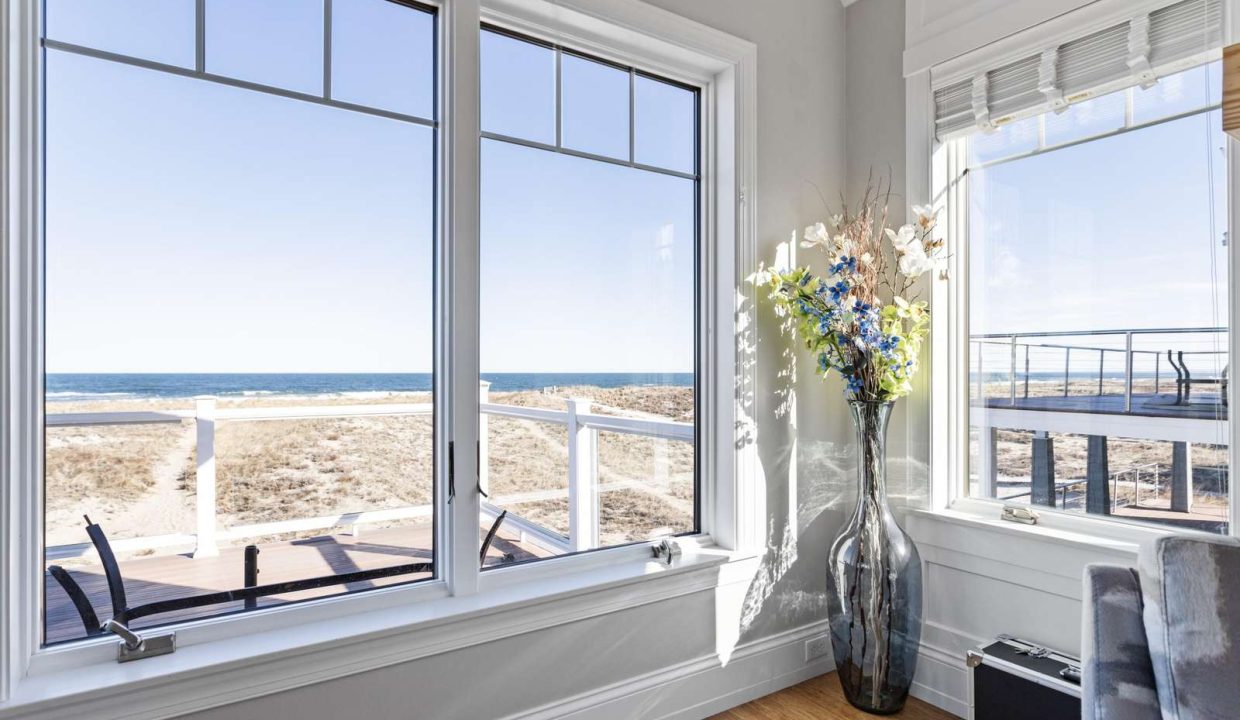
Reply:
x=1163, y=642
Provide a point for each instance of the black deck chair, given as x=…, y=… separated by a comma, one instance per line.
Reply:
x=1184, y=380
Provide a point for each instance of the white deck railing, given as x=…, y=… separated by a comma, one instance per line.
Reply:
x=582, y=489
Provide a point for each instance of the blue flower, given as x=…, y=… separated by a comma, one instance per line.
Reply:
x=824, y=365
x=847, y=262
x=838, y=291
x=854, y=385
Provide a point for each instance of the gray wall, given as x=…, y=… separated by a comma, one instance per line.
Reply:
x=803, y=434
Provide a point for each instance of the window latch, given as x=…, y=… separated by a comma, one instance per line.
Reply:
x=1016, y=513
x=133, y=646
x=668, y=550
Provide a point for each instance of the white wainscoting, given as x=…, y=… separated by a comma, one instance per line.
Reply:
x=983, y=578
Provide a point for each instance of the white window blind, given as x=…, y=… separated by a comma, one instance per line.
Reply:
x=1131, y=53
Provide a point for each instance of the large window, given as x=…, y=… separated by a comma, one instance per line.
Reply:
x=1098, y=363
x=317, y=330
x=588, y=300
x=240, y=292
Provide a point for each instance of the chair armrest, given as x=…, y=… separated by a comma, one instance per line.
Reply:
x=1117, y=677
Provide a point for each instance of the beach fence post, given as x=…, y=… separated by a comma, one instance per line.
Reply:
x=582, y=485
x=484, y=475
x=204, y=498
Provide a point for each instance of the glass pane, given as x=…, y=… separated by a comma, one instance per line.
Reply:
x=587, y=319
x=383, y=56
x=1084, y=119
x=1012, y=139
x=218, y=252
x=664, y=120
x=518, y=88
x=159, y=30
x=275, y=42
x=1096, y=375
x=1182, y=92
x=595, y=100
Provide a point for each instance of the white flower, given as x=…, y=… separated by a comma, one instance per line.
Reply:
x=914, y=262
x=816, y=234
x=903, y=239
x=866, y=258
x=925, y=215
x=836, y=220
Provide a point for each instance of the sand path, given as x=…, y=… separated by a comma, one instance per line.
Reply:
x=164, y=509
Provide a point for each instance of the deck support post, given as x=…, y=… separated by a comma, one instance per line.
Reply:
x=1042, y=488
x=204, y=498
x=1097, y=477
x=987, y=461
x=1181, y=477
x=582, y=485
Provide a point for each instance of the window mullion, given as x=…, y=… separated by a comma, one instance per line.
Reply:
x=462, y=152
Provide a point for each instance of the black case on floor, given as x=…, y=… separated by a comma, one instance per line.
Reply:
x=1016, y=680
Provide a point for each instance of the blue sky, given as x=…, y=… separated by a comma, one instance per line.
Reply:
x=196, y=227
x=1122, y=232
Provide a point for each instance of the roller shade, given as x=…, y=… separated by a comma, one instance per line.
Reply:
x=1123, y=55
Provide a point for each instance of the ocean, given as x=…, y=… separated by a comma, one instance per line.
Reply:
x=67, y=387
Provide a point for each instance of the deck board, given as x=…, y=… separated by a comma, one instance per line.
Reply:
x=1204, y=405
x=148, y=579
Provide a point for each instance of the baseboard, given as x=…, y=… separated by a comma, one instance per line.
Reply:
x=704, y=686
x=942, y=680
x=700, y=687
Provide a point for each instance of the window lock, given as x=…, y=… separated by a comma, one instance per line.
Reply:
x=133, y=646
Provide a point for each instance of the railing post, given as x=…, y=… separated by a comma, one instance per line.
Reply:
x=1067, y=363
x=1012, y=370
x=1157, y=368
x=1026, y=372
x=1128, y=371
x=582, y=484
x=484, y=475
x=1102, y=365
x=204, y=422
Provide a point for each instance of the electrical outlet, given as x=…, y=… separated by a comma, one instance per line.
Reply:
x=817, y=646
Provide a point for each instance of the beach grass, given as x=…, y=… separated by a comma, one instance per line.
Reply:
x=271, y=470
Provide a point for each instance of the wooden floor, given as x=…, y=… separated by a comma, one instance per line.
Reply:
x=148, y=579
x=1204, y=406
x=820, y=699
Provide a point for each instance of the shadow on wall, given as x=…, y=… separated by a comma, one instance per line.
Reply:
x=808, y=461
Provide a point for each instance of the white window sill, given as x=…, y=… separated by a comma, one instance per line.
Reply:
x=1086, y=534
x=209, y=674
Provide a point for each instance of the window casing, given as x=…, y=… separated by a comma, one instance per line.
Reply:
x=721, y=66
x=957, y=162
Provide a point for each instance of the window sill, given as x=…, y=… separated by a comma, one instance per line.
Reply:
x=1106, y=538
x=209, y=674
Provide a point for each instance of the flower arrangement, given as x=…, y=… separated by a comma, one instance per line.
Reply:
x=856, y=317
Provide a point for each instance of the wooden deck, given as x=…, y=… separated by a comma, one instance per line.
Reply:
x=148, y=579
x=1204, y=406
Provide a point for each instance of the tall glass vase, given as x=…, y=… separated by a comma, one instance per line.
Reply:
x=874, y=582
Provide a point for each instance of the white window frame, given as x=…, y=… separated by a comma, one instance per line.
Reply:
x=933, y=172
x=225, y=659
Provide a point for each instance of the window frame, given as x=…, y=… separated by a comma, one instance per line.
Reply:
x=217, y=659
x=937, y=170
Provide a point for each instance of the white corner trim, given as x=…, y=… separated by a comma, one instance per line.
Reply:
x=699, y=687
